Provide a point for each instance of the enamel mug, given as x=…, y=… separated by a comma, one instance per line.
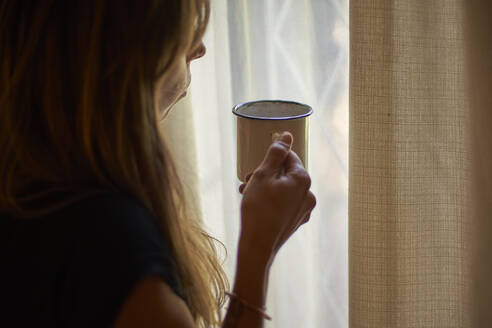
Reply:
x=258, y=121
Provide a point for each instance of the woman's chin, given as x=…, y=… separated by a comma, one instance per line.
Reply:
x=180, y=97
x=167, y=108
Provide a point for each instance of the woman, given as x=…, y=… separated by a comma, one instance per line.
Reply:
x=95, y=228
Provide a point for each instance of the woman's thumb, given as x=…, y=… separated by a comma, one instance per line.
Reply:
x=278, y=151
x=285, y=137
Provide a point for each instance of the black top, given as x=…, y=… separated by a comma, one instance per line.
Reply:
x=75, y=268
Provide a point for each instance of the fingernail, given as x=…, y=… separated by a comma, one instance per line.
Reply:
x=275, y=136
x=286, y=138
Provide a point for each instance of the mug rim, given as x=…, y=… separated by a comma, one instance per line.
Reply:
x=238, y=106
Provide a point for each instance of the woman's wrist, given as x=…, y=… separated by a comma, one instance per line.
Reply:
x=250, y=285
x=254, y=252
x=252, y=270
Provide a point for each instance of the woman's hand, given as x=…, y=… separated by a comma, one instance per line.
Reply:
x=276, y=200
x=243, y=185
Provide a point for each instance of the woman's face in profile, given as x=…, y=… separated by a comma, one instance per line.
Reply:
x=171, y=90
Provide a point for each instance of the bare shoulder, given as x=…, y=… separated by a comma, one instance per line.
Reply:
x=152, y=303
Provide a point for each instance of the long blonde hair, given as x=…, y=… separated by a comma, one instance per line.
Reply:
x=77, y=118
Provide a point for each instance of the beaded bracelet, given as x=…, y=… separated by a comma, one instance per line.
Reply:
x=247, y=304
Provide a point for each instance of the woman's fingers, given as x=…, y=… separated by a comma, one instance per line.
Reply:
x=243, y=185
x=293, y=163
x=276, y=153
x=303, y=217
x=308, y=206
x=306, y=219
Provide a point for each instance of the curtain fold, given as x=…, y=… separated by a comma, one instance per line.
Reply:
x=409, y=165
x=479, y=84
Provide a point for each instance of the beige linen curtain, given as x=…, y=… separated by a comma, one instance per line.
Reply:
x=409, y=238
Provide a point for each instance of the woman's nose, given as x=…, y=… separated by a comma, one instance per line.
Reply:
x=199, y=52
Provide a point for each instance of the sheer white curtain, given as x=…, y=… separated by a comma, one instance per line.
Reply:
x=280, y=49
